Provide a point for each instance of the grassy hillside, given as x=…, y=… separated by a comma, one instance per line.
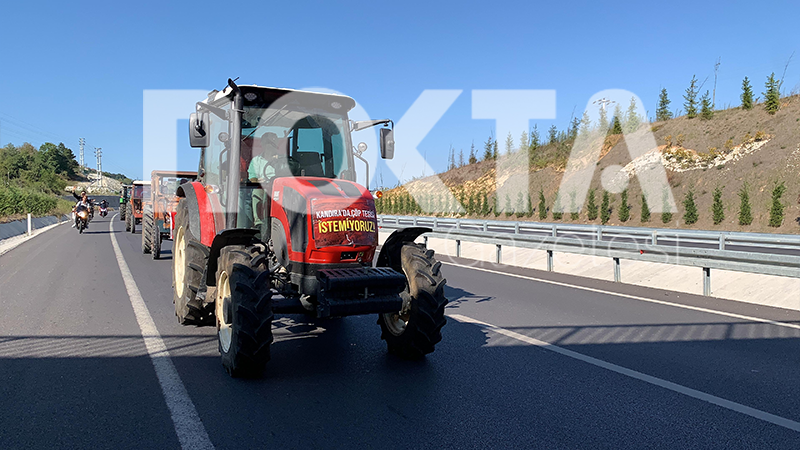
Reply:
x=733, y=149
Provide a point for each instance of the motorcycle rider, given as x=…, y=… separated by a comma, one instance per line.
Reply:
x=103, y=206
x=84, y=200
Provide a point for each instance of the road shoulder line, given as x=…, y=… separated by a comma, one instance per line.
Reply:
x=699, y=395
x=190, y=430
x=633, y=297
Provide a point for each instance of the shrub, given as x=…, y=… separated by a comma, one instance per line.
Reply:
x=542, y=206
x=573, y=207
x=747, y=94
x=509, y=210
x=666, y=214
x=690, y=213
x=624, y=208
x=645, y=210
x=706, y=108
x=690, y=105
x=605, y=208
x=591, y=206
x=557, y=212
x=745, y=215
x=776, y=211
x=772, y=97
x=717, y=209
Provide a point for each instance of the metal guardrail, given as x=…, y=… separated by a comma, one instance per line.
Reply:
x=768, y=254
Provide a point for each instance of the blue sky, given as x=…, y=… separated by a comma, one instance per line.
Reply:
x=79, y=69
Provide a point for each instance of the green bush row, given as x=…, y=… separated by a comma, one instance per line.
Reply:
x=14, y=200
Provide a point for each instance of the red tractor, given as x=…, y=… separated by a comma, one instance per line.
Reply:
x=276, y=224
x=158, y=212
x=140, y=193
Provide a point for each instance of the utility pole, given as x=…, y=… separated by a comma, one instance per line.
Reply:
x=82, y=141
x=99, y=153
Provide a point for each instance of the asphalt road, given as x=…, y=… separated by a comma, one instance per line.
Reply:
x=556, y=362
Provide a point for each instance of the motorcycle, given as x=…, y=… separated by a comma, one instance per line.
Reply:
x=103, y=211
x=81, y=218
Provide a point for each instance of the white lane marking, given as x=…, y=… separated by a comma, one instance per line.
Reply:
x=699, y=395
x=191, y=432
x=633, y=297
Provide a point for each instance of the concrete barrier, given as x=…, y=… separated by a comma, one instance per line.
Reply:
x=19, y=227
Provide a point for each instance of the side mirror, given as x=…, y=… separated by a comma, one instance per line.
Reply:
x=198, y=130
x=387, y=143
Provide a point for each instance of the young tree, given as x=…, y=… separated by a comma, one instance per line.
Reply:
x=717, y=208
x=605, y=208
x=632, y=119
x=520, y=207
x=645, y=210
x=776, y=211
x=690, y=105
x=690, y=213
x=585, y=124
x=509, y=144
x=557, y=213
x=574, y=214
x=616, y=123
x=624, y=208
x=535, y=138
x=745, y=215
x=542, y=206
x=663, y=112
x=494, y=150
x=451, y=161
x=461, y=158
x=666, y=215
x=706, y=108
x=508, y=208
x=552, y=134
x=485, y=209
x=591, y=206
x=529, y=205
x=487, y=149
x=572, y=130
x=602, y=122
x=524, y=143
x=472, y=158
x=747, y=94
x=772, y=97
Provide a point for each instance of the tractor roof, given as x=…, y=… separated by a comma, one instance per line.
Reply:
x=141, y=183
x=173, y=173
x=270, y=94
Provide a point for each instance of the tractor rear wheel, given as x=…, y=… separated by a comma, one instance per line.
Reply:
x=122, y=210
x=133, y=221
x=127, y=219
x=189, y=259
x=243, y=311
x=413, y=331
x=155, y=243
x=147, y=227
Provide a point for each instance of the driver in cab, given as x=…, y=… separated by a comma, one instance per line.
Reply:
x=268, y=163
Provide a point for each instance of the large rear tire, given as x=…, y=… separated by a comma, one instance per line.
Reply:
x=127, y=220
x=189, y=259
x=133, y=221
x=155, y=243
x=122, y=210
x=413, y=332
x=147, y=229
x=243, y=311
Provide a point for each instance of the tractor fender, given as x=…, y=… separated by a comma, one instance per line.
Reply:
x=234, y=236
x=390, y=251
x=201, y=217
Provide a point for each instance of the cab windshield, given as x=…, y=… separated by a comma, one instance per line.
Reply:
x=313, y=141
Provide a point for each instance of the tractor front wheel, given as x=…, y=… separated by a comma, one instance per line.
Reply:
x=413, y=331
x=243, y=310
x=189, y=259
